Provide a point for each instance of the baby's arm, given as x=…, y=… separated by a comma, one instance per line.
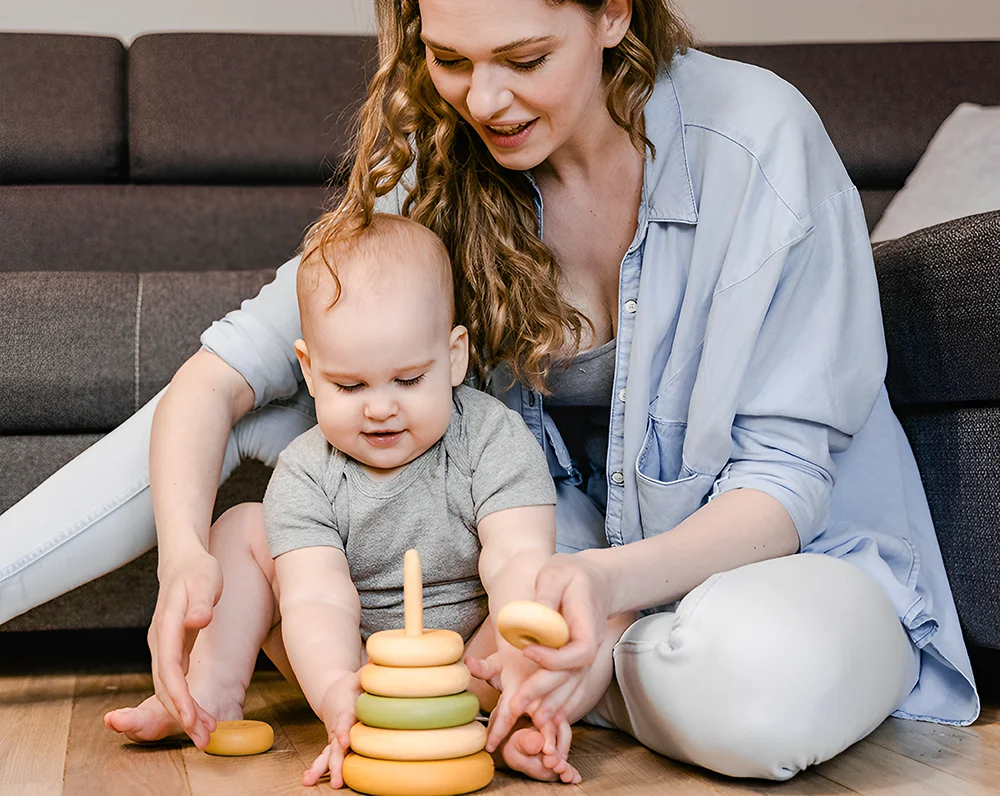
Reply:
x=320, y=620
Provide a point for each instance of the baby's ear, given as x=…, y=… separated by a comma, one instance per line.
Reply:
x=458, y=347
x=302, y=352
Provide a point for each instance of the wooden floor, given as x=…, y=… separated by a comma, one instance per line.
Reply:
x=53, y=741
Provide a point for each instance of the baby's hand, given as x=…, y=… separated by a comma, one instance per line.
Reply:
x=337, y=713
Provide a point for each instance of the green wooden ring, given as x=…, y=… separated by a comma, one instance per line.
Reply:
x=417, y=713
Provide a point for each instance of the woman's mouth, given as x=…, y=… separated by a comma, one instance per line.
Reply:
x=509, y=136
x=383, y=439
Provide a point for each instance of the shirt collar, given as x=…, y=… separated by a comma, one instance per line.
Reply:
x=667, y=176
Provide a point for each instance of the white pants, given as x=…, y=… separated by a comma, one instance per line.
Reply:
x=760, y=672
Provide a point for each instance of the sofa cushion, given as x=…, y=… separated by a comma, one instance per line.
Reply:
x=882, y=101
x=153, y=227
x=956, y=451
x=940, y=290
x=957, y=176
x=242, y=108
x=83, y=351
x=62, y=108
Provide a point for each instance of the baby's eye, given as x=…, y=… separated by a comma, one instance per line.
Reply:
x=349, y=387
x=410, y=382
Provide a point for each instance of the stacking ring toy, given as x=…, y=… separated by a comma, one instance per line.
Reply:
x=422, y=681
x=421, y=713
x=414, y=646
x=242, y=737
x=524, y=622
x=447, y=743
x=418, y=778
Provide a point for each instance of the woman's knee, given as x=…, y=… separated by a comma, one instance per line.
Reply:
x=767, y=669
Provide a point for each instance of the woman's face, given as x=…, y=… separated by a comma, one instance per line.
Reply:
x=527, y=75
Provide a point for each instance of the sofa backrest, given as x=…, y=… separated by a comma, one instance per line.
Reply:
x=882, y=102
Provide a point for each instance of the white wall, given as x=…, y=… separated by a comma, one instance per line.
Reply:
x=716, y=21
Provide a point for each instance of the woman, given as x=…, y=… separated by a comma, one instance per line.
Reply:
x=723, y=440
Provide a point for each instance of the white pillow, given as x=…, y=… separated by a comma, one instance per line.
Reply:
x=958, y=175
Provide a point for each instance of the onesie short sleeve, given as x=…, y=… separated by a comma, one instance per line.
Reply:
x=298, y=507
x=508, y=467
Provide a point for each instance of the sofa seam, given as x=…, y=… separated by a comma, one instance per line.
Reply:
x=138, y=327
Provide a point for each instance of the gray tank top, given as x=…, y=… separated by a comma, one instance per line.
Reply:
x=580, y=406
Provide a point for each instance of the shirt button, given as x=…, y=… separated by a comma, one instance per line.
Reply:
x=631, y=306
x=621, y=395
x=618, y=478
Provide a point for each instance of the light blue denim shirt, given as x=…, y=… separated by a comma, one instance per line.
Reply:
x=750, y=353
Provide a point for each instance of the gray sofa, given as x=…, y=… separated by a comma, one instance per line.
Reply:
x=145, y=191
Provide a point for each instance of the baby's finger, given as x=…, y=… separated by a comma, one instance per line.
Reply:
x=564, y=737
x=502, y=721
x=489, y=670
x=555, y=700
x=538, y=685
x=319, y=767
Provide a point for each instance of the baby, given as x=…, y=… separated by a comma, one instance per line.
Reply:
x=403, y=456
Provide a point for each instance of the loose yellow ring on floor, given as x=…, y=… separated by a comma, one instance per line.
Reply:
x=240, y=738
x=466, y=739
x=420, y=713
x=524, y=622
x=415, y=681
x=429, y=648
x=417, y=778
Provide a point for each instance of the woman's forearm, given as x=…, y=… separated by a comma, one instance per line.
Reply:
x=736, y=528
x=191, y=427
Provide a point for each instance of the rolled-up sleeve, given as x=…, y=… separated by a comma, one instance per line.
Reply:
x=258, y=339
x=816, y=363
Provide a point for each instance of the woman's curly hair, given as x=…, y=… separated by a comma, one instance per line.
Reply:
x=506, y=279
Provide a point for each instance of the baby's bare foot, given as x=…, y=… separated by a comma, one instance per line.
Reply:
x=148, y=721
x=524, y=750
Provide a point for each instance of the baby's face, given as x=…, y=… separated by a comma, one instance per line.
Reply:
x=382, y=368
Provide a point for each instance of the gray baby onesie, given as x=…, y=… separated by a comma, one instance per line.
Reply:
x=487, y=461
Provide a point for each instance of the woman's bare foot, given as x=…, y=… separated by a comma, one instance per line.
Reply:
x=150, y=721
x=527, y=750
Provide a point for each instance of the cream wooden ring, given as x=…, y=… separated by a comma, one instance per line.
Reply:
x=417, y=777
x=524, y=622
x=429, y=648
x=416, y=681
x=466, y=739
x=240, y=738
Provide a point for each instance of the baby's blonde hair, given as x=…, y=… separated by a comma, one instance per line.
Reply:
x=381, y=256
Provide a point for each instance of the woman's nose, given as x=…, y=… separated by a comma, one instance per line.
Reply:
x=487, y=96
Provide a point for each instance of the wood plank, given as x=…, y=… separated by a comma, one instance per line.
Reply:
x=971, y=755
x=35, y=716
x=870, y=768
x=103, y=763
x=275, y=773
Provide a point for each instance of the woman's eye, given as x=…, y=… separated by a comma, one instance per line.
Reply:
x=410, y=382
x=349, y=387
x=451, y=64
x=527, y=66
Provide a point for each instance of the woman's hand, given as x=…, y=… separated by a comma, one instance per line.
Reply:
x=579, y=588
x=190, y=586
x=337, y=713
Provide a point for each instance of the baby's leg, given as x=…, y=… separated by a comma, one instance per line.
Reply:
x=224, y=654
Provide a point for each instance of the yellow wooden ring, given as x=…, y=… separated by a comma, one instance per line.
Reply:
x=240, y=738
x=430, y=648
x=416, y=681
x=466, y=739
x=417, y=777
x=524, y=622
